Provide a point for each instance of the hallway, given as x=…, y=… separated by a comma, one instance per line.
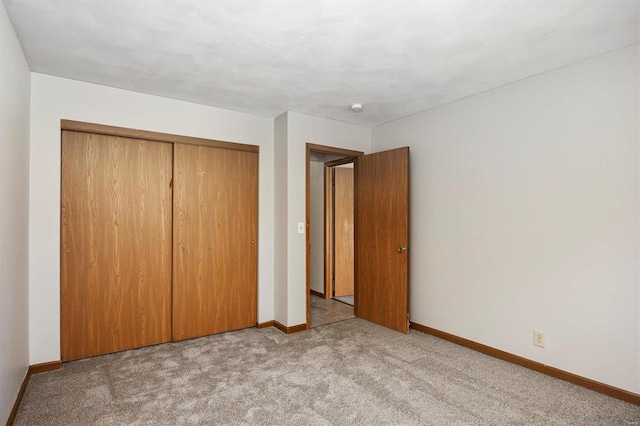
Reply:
x=327, y=311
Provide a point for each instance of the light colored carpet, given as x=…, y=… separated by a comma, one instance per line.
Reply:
x=350, y=372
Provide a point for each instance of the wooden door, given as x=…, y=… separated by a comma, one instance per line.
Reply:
x=215, y=240
x=116, y=244
x=382, y=237
x=343, y=231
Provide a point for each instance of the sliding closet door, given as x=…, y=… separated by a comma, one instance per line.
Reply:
x=215, y=240
x=116, y=244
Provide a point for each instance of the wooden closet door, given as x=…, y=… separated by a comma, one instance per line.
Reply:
x=116, y=244
x=215, y=240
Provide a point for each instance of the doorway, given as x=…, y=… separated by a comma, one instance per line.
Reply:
x=332, y=240
x=339, y=228
x=381, y=235
x=321, y=162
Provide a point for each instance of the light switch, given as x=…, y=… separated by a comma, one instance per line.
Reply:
x=300, y=227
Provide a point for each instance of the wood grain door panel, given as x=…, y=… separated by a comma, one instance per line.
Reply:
x=215, y=240
x=382, y=238
x=116, y=244
x=343, y=231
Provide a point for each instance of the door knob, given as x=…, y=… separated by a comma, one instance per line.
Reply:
x=402, y=249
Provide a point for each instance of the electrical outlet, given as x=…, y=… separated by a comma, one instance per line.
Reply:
x=538, y=338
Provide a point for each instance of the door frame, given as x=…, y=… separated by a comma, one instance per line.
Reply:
x=320, y=149
x=329, y=221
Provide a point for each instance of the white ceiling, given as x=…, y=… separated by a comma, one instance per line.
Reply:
x=317, y=57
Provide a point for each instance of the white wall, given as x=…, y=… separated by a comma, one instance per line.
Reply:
x=303, y=129
x=317, y=225
x=54, y=98
x=14, y=212
x=525, y=215
x=281, y=219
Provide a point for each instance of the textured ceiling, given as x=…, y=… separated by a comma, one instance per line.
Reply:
x=316, y=57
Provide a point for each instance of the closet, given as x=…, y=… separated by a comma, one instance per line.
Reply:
x=158, y=238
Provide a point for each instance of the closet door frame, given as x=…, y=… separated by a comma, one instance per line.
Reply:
x=79, y=126
x=124, y=132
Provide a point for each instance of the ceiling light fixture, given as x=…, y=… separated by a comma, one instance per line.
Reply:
x=356, y=107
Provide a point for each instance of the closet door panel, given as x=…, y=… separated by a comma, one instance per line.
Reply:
x=215, y=240
x=116, y=244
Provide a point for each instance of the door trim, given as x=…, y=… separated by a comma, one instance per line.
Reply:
x=328, y=231
x=340, y=161
x=329, y=222
x=80, y=126
x=322, y=149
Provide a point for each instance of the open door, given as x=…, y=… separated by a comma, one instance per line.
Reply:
x=382, y=238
